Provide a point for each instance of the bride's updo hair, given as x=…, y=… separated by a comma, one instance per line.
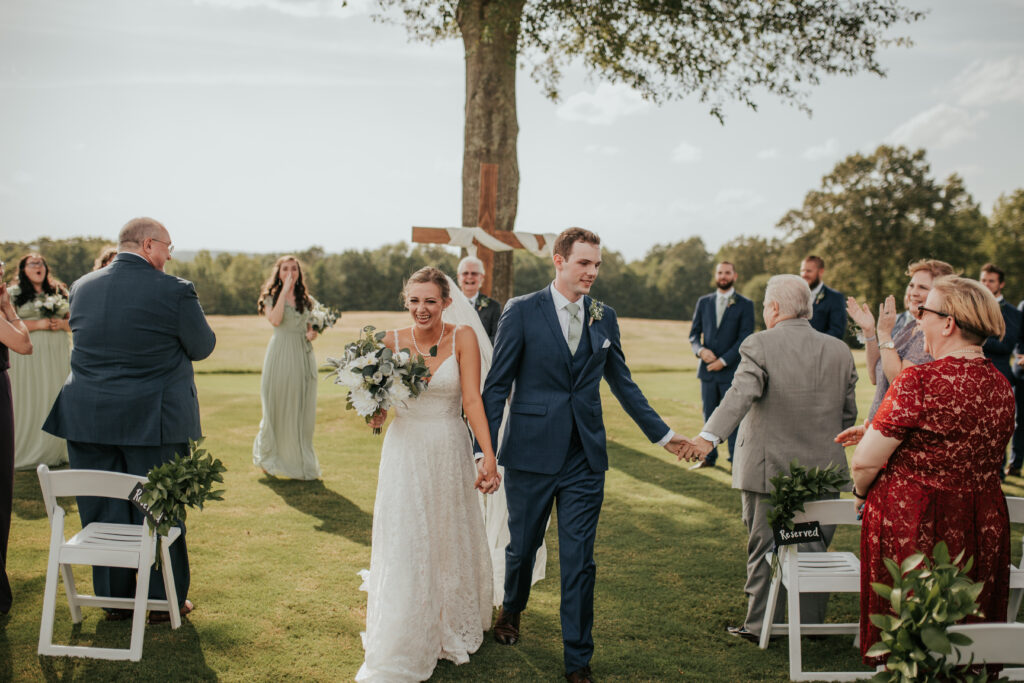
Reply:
x=428, y=274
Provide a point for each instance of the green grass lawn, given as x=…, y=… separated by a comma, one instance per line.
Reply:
x=274, y=565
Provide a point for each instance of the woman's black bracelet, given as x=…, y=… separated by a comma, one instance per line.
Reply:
x=858, y=496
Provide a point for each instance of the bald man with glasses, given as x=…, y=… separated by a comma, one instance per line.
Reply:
x=130, y=403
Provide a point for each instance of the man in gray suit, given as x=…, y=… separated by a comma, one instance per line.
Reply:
x=130, y=402
x=793, y=391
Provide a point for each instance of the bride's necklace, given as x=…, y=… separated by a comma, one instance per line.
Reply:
x=417, y=346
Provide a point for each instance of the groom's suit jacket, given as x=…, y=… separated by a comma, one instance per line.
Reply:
x=550, y=391
x=136, y=331
x=794, y=390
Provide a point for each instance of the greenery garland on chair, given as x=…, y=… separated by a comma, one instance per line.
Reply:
x=927, y=597
x=801, y=486
x=186, y=481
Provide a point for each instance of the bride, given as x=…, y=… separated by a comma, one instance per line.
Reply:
x=429, y=586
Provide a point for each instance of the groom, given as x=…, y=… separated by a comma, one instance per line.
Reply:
x=551, y=351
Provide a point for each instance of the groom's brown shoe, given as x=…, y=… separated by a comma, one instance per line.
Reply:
x=506, y=627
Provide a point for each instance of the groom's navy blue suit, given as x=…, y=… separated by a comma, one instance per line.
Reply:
x=554, y=447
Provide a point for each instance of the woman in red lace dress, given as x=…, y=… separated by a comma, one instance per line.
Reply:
x=927, y=470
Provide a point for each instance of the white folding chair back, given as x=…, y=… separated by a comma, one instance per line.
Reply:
x=1016, y=508
x=819, y=572
x=993, y=644
x=106, y=545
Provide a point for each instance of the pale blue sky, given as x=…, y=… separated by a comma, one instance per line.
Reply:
x=267, y=125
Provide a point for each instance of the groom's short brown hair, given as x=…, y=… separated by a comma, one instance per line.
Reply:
x=564, y=242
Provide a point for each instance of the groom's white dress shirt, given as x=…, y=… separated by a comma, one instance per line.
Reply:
x=563, y=321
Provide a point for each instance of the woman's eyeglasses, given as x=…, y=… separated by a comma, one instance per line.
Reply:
x=922, y=309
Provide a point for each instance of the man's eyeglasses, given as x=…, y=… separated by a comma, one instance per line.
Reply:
x=170, y=247
x=922, y=309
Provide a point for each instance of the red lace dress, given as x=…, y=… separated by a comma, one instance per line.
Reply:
x=954, y=417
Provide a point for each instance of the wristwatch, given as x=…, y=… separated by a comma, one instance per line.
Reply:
x=887, y=345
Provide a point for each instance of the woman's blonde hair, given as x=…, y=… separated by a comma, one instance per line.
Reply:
x=972, y=306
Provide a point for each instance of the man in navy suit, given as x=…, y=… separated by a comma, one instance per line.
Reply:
x=829, y=305
x=551, y=351
x=1013, y=469
x=999, y=351
x=721, y=321
x=130, y=402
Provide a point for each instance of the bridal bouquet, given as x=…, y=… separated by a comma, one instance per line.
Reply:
x=51, y=305
x=378, y=377
x=322, y=317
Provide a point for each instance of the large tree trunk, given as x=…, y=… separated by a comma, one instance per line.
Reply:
x=490, y=33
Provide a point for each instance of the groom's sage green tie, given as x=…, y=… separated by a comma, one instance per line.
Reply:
x=575, y=326
x=720, y=309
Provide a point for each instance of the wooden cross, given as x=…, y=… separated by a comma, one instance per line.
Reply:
x=484, y=240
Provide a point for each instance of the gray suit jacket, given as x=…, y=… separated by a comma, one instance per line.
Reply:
x=793, y=391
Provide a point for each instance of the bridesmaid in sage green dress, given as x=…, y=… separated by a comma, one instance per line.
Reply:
x=284, y=445
x=36, y=379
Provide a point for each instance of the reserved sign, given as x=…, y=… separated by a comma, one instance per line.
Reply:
x=136, y=499
x=802, y=532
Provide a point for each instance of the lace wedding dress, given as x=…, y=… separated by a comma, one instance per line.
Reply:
x=429, y=584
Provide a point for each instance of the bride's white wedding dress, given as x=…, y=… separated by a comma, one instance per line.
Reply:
x=429, y=584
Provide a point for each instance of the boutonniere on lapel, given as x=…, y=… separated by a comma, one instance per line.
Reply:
x=821, y=296
x=596, y=311
x=731, y=300
x=482, y=303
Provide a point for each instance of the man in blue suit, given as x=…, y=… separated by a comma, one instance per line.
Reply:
x=829, y=305
x=721, y=321
x=551, y=351
x=1000, y=352
x=130, y=402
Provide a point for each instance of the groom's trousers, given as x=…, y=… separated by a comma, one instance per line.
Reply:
x=119, y=582
x=579, y=491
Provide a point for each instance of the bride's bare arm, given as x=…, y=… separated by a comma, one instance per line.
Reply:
x=468, y=357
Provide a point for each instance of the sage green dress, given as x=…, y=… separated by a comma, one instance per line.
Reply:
x=284, y=445
x=36, y=380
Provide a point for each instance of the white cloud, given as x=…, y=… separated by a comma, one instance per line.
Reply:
x=936, y=128
x=602, y=150
x=604, y=106
x=685, y=153
x=766, y=154
x=987, y=82
x=827, y=150
x=306, y=9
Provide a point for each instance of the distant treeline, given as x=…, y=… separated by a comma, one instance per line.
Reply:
x=872, y=215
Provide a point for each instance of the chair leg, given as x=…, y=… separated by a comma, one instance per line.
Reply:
x=768, y=622
x=169, y=590
x=793, y=617
x=141, y=599
x=1013, y=606
x=72, y=593
x=50, y=590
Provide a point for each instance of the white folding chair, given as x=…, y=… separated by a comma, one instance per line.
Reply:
x=818, y=572
x=1016, y=508
x=106, y=545
x=993, y=644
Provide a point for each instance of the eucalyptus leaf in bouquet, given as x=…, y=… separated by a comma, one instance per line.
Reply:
x=377, y=377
